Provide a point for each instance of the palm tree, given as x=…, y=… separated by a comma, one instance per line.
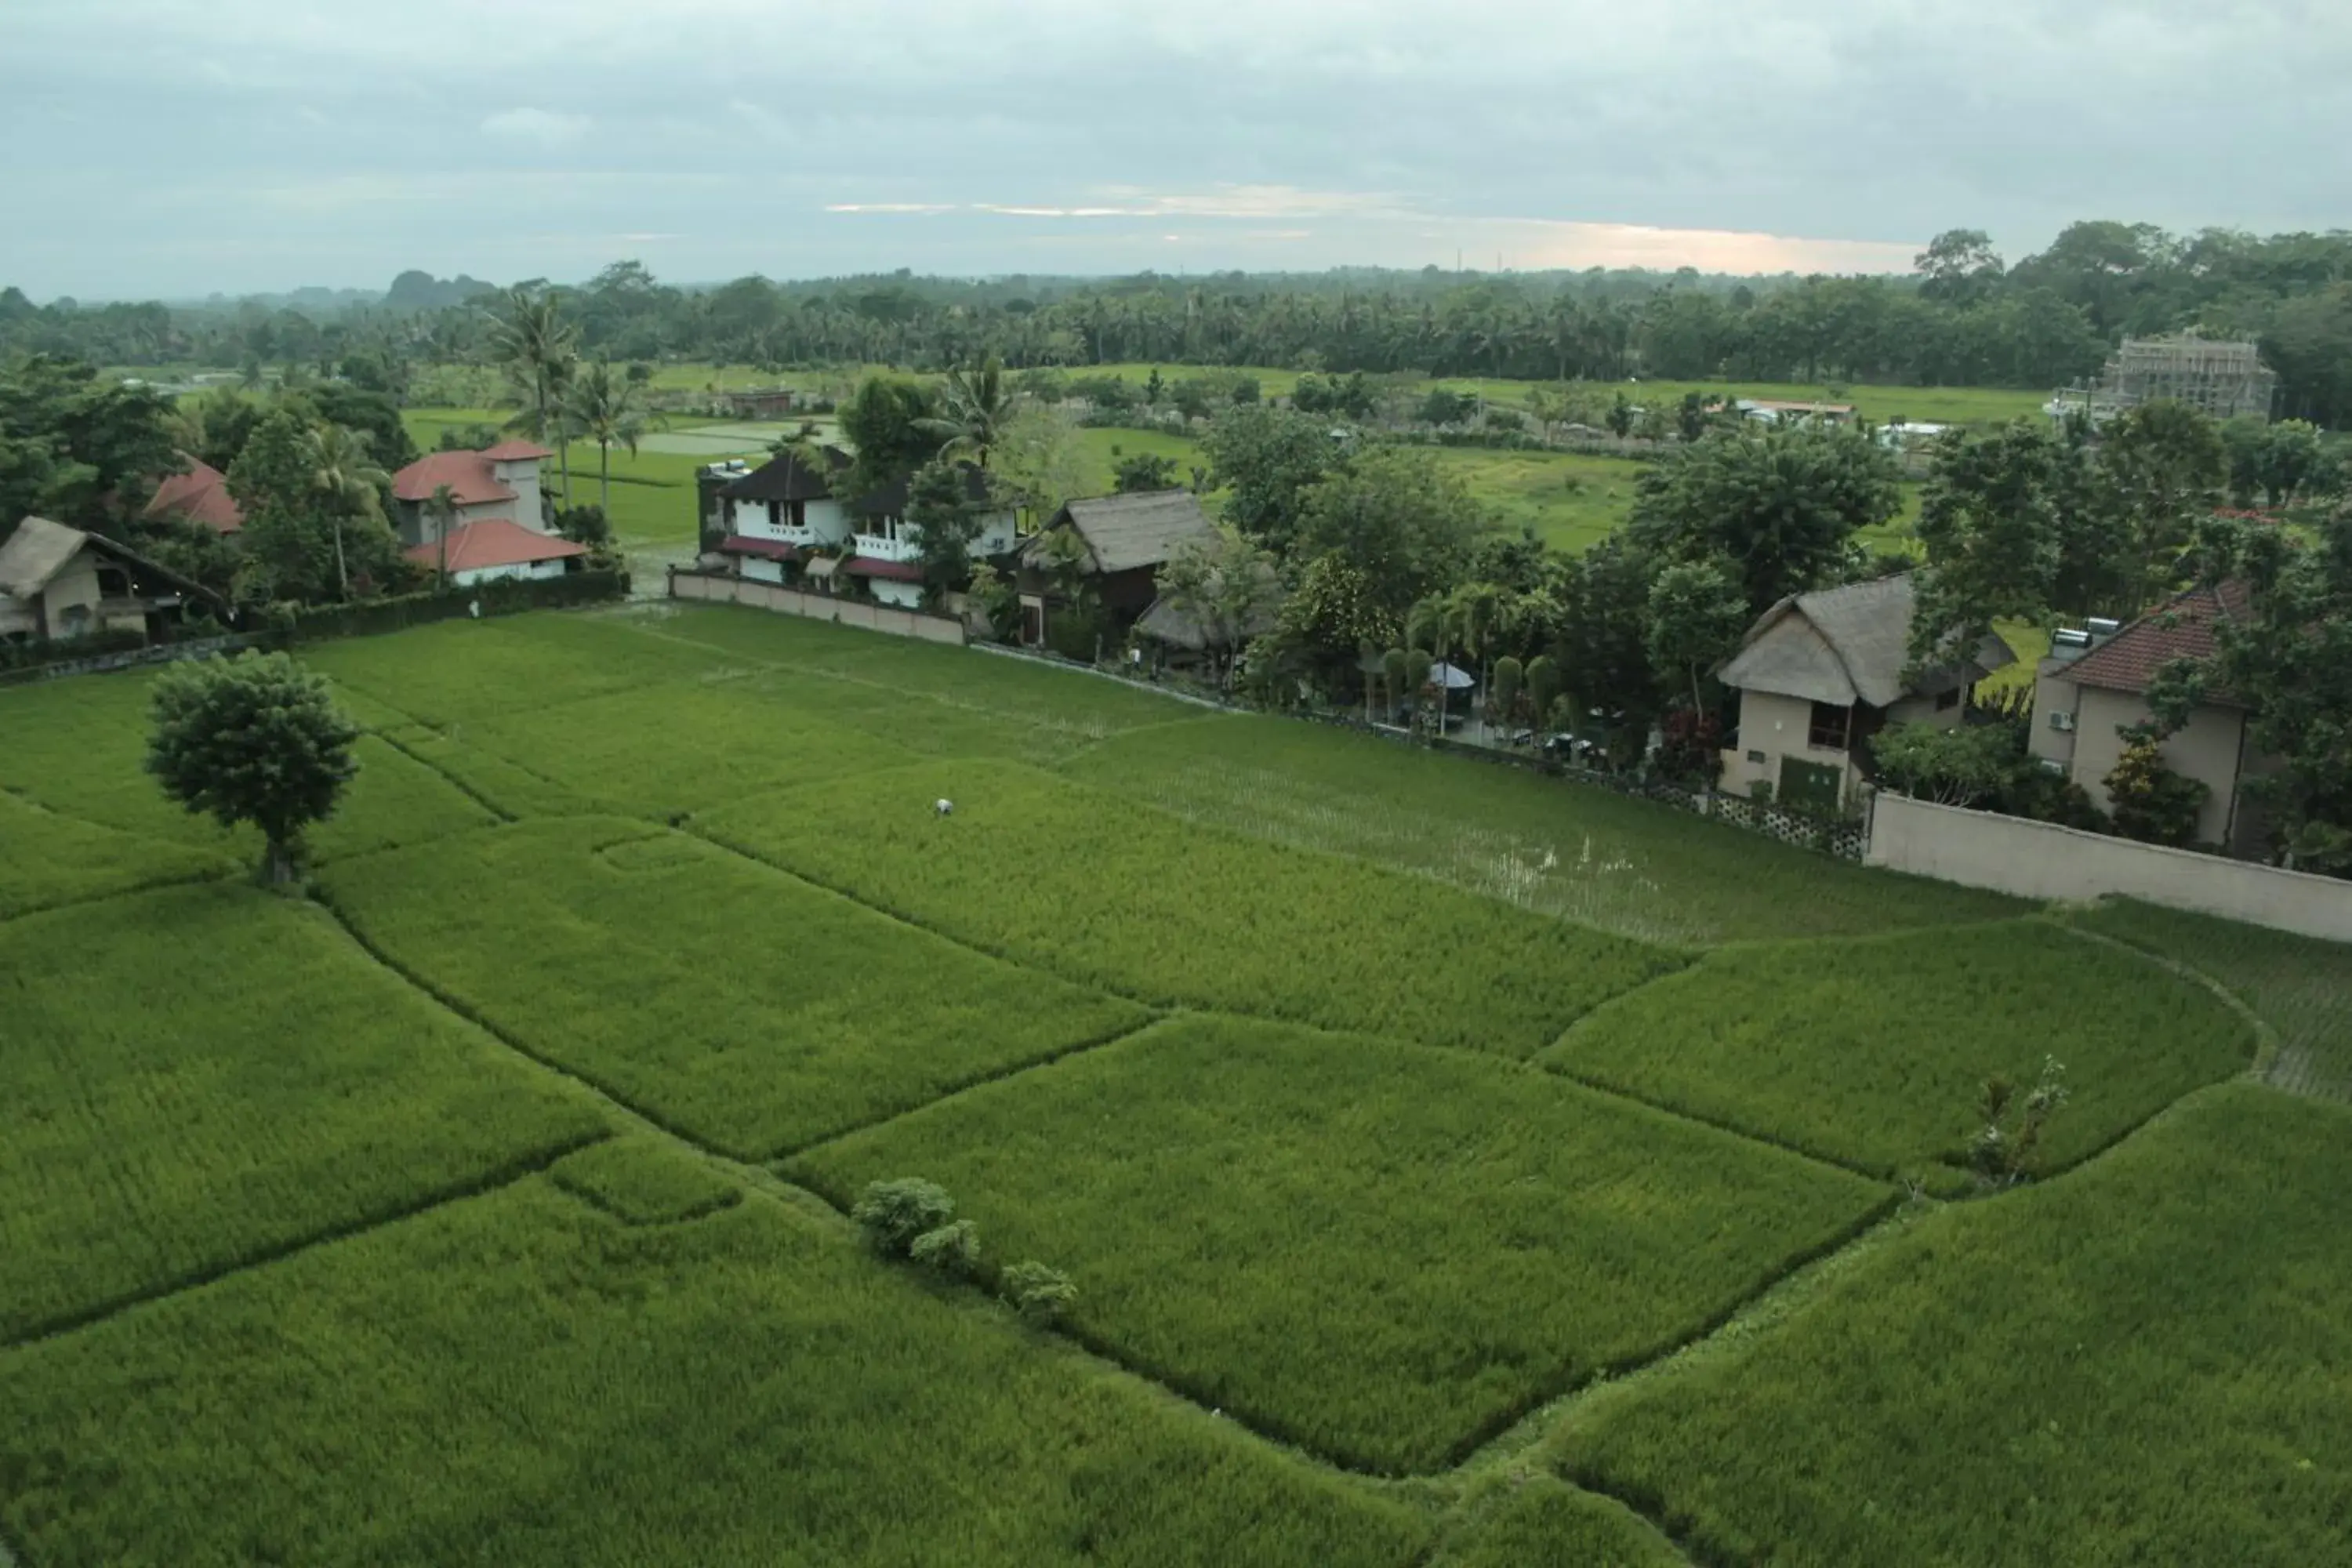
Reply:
x=602, y=406
x=443, y=509
x=978, y=404
x=344, y=471
x=536, y=346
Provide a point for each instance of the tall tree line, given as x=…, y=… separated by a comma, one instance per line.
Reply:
x=1964, y=317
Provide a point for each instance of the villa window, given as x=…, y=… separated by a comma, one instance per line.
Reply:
x=1831, y=724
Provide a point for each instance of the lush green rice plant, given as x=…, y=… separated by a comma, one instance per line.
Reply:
x=1381, y=1251
x=1079, y=881
x=49, y=860
x=755, y=1012
x=521, y=1380
x=639, y=1180
x=2300, y=986
x=457, y=672
x=2146, y=1361
x=200, y=1076
x=1536, y=1522
x=1574, y=850
x=512, y=788
x=1875, y=1053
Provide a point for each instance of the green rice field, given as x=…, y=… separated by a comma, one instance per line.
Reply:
x=1452, y=1166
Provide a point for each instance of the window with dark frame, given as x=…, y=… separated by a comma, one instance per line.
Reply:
x=1947, y=701
x=1829, y=727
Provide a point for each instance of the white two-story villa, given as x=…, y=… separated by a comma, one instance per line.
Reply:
x=782, y=522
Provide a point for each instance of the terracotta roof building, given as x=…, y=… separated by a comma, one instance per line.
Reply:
x=2086, y=696
x=500, y=483
x=497, y=547
x=200, y=495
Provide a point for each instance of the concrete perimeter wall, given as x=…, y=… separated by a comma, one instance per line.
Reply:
x=725, y=590
x=2040, y=860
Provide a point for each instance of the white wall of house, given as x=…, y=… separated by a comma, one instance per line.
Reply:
x=822, y=522
x=523, y=478
x=905, y=595
x=761, y=571
x=1771, y=728
x=2209, y=748
x=520, y=569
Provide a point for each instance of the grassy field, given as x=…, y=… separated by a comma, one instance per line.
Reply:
x=2295, y=985
x=1383, y=1252
x=1875, y=1052
x=1081, y=883
x=477, y=1201
x=828, y=1016
x=2147, y=1362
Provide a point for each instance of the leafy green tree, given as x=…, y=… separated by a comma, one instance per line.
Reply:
x=1959, y=267
x=78, y=448
x=1040, y=1295
x=604, y=408
x=1603, y=641
x=1406, y=523
x=948, y=517
x=893, y=1214
x=350, y=489
x=1504, y=689
x=1695, y=617
x=2161, y=467
x=441, y=510
x=1971, y=765
x=289, y=542
x=1446, y=406
x=2150, y=802
x=887, y=422
x=213, y=428
x=1545, y=685
x=1785, y=504
x=255, y=739
x=1334, y=612
x=1991, y=520
x=1144, y=471
x=1266, y=460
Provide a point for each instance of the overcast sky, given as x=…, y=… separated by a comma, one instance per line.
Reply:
x=162, y=148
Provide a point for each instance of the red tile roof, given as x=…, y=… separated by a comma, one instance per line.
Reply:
x=773, y=549
x=467, y=475
x=515, y=452
x=895, y=570
x=2180, y=628
x=200, y=495
x=495, y=541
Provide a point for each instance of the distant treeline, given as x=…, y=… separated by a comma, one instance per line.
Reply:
x=1965, y=318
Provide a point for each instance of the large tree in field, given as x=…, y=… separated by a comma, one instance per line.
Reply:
x=976, y=405
x=530, y=339
x=602, y=407
x=255, y=739
x=1265, y=459
x=1782, y=505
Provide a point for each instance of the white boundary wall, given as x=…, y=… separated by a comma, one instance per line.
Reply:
x=859, y=612
x=2041, y=860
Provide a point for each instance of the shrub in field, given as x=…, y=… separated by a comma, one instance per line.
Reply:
x=200, y=1076
x=1625, y=865
x=751, y=1010
x=1875, y=1053
x=2299, y=985
x=745, y=1389
x=2146, y=1361
x=1039, y=1293
x=1082, y=883
x=952, y=1249
x=2002, y=1152
x=255, y=739
x=891, y=1215
x=1380, y=1251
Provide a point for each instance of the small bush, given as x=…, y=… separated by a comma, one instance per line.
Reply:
x=951, y=1249
x=895, y=1214
x=1040, y=1294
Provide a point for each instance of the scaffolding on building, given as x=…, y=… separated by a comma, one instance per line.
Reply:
x=2222, y=379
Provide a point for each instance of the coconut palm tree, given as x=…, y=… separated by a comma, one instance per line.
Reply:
x=976, y=405
x=602, y=407
x=537, y=348
x=344, y=471
x=443, y=509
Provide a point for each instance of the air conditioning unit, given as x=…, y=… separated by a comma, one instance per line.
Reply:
x=2062, y=722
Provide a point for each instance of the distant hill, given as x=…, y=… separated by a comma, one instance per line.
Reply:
x=414, y=290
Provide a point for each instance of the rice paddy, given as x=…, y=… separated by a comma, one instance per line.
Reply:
x=1452, y=1166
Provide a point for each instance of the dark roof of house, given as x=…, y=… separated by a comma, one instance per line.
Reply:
x=1849, y=644
x=1180, y=625
x=40, y=549
x=785, y=478
x=471, y=479
x=200, y=495
x=2180, y=628
x=1144, y=528
x=873, y=566
x=891, y=500
x=772, y=549
x=495, y=541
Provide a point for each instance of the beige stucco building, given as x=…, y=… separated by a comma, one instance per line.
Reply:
x=1820, y=673
x=2085, y=698
x=57, y=583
